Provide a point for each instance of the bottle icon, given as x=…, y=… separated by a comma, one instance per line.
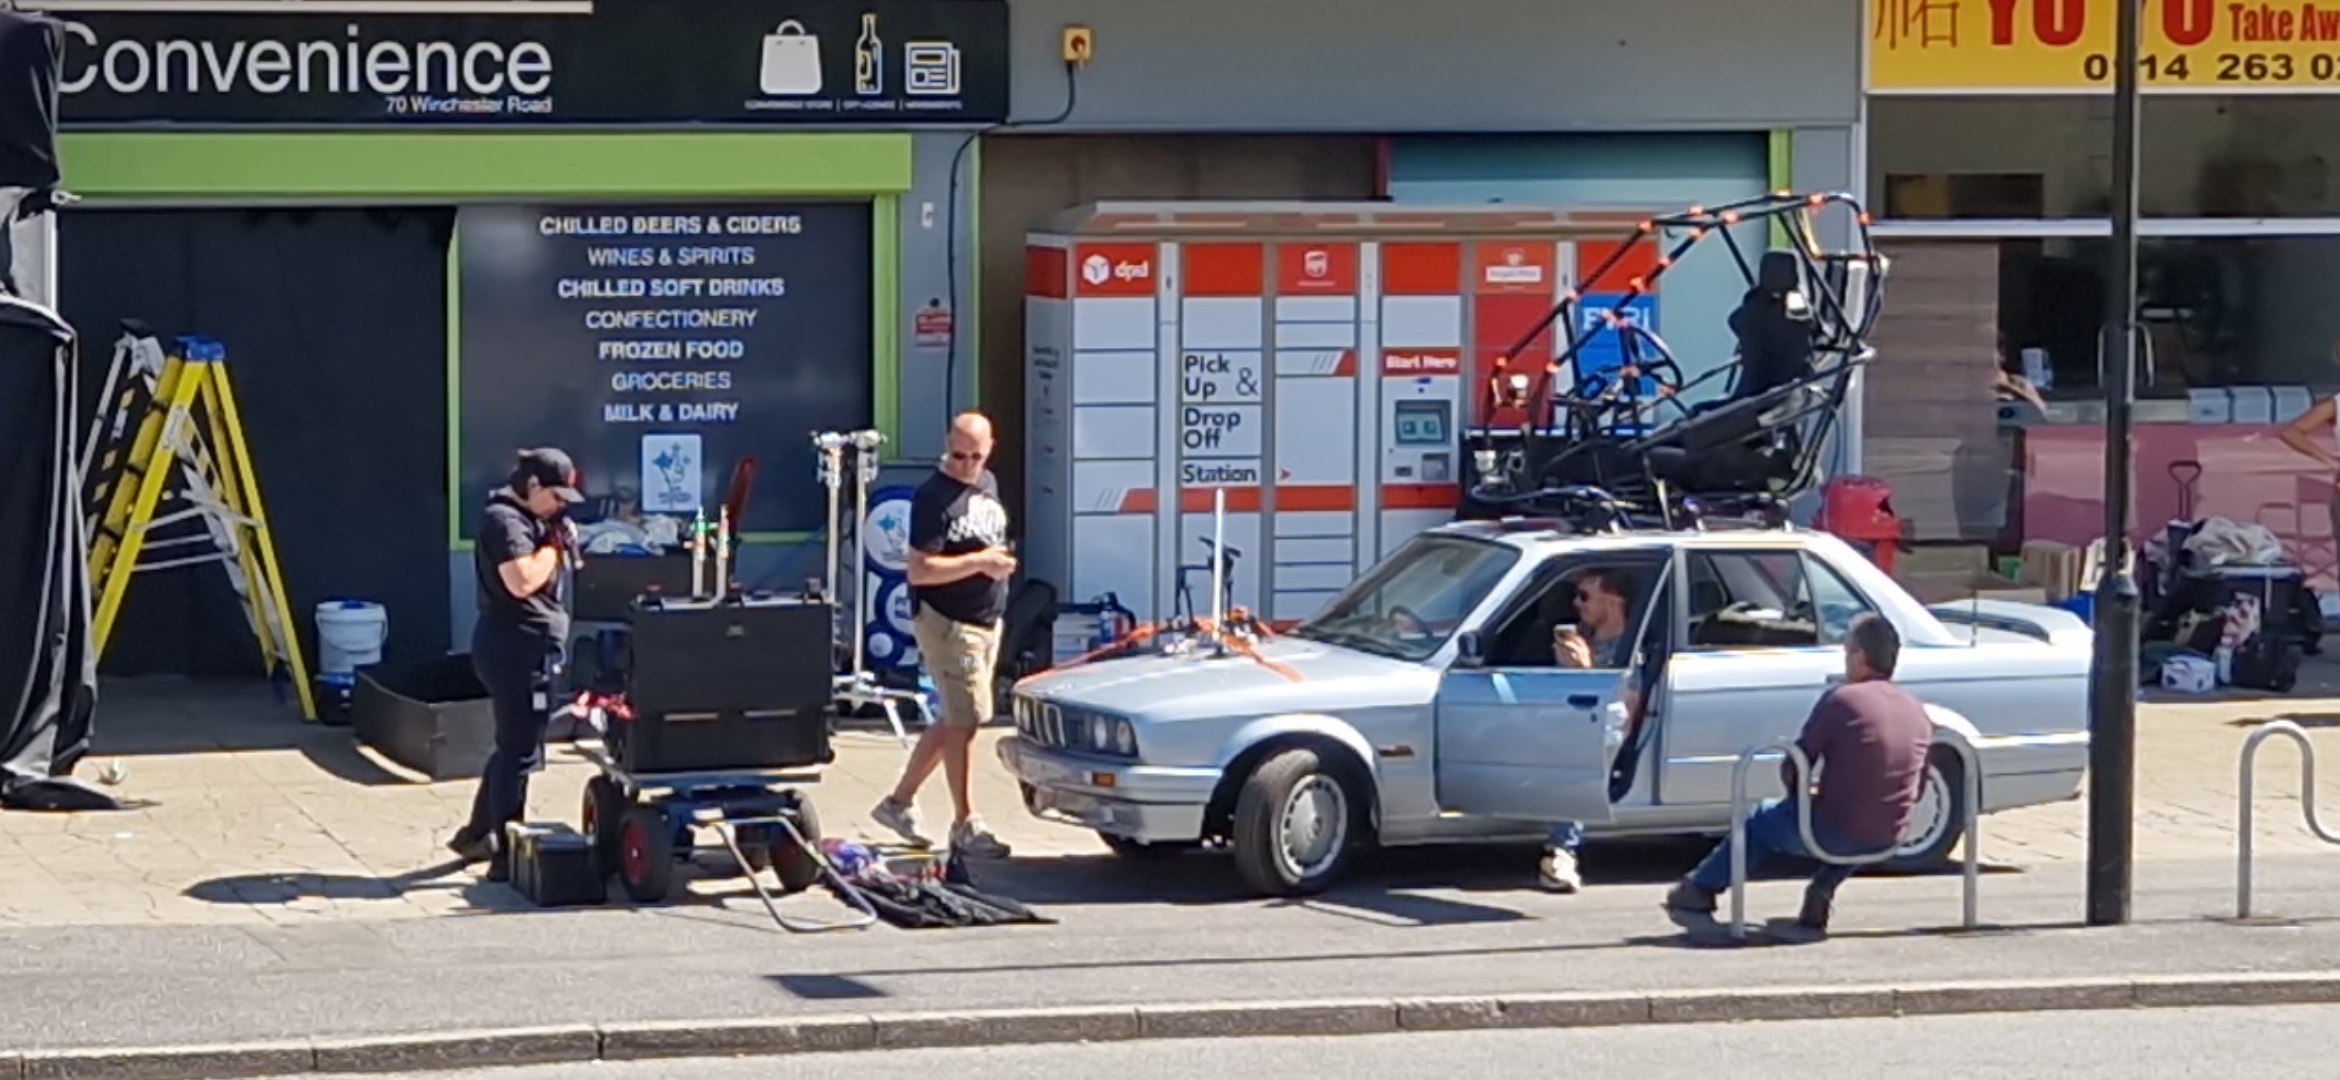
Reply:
x=869, y=59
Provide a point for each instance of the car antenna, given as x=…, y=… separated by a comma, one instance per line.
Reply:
x=1218, y=566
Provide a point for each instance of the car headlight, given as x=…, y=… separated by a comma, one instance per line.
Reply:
x=1100, y=733
x=1124, y=738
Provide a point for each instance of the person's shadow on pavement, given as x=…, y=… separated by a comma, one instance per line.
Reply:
x=259, y=889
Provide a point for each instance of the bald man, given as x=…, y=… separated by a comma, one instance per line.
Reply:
x=959, y=569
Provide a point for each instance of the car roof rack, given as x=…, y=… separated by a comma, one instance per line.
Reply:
x=1586, y=511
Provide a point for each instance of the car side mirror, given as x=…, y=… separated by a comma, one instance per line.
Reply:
x=1469, y=649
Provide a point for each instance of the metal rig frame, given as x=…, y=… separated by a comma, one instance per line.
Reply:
x=1842, y=325
x=857, y=687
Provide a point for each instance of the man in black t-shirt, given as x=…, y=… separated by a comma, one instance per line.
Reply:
x=521, y=557
x=959, y=568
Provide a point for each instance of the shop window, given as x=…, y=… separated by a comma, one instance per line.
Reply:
x=1958, y=195
x=2202, y=156
x=2219, y=312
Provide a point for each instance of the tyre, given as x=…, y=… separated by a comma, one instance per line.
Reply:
x=605, y=812
x=1140, y=849
x=1298, y=823
x=1938, y=819
x=646, y=854
x=797, y=869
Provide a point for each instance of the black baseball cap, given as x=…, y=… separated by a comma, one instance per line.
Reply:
x=551, y=468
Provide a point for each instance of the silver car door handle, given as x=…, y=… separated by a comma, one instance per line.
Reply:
x=1835, y=680
x=1584, y=701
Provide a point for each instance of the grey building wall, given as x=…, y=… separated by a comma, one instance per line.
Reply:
x=1389, y=66
x=927, y=256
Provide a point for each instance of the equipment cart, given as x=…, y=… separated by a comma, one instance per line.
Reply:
x=727, y=708
x=643, y=825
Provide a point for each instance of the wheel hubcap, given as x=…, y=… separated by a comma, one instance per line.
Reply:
x=1315, y=826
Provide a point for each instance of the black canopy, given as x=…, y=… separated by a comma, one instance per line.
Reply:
x=48, y=661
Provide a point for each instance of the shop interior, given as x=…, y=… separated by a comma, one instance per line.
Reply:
x=1994, y=208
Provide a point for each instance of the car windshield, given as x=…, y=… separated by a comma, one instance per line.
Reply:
x=1409, y=605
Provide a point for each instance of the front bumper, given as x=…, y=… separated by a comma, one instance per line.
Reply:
x=1147, y=803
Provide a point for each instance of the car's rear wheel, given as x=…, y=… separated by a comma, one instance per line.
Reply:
x=1938, y=820
x=1298, y=823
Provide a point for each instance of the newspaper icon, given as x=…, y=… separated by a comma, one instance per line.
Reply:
x=930, y=69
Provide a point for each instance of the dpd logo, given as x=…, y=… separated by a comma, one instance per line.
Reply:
x=1101, y=269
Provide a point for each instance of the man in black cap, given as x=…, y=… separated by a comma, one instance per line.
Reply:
x=520, y=555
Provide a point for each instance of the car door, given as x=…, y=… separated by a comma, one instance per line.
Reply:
x=1522, y=741
x=1755, y=655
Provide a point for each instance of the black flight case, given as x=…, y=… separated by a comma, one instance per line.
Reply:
x=726, y=684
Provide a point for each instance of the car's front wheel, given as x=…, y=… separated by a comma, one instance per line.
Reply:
x=1938, y=819
x=1298, y=823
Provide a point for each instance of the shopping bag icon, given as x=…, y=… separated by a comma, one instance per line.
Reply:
x=792, y=61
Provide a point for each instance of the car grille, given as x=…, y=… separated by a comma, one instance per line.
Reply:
x=1063, y=727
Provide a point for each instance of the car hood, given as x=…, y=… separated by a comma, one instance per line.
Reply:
x=1296, y=671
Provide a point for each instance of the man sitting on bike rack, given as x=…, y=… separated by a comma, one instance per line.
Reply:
x=1870, y=739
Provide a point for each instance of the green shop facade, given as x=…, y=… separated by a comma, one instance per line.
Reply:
x=668, y=245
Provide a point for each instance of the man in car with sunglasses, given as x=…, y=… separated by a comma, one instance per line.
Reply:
x=1598, y=641
x=959, y=569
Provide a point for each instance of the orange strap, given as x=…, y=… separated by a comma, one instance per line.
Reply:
x=1147, y=632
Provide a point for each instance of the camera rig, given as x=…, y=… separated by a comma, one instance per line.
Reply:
x=1639, y=442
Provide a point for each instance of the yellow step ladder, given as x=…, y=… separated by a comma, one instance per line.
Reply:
x=181, y=423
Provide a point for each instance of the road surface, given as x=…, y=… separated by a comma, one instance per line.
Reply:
x=2263, y=1044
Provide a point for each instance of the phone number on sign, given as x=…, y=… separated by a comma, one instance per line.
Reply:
x=2222, y=68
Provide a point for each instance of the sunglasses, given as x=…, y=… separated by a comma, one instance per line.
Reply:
x=1583, y=595
x=961, y=455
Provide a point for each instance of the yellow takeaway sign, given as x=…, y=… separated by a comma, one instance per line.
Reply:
x=2066, y=46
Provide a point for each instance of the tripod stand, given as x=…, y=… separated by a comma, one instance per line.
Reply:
x=857, y=687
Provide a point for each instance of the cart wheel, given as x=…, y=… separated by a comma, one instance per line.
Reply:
x=797, y=870
x=605, y=812
x=646, y=854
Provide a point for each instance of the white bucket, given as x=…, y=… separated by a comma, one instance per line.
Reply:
x=350, y=635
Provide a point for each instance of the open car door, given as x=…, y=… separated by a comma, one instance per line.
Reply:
x=1525, y=744
x=1522, y=739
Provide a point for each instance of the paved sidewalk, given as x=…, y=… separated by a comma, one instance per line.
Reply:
x=257, y=819
x=1129, y=937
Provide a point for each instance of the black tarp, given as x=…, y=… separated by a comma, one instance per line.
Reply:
x=48, y=662
x=31, y=48
x=335, y=323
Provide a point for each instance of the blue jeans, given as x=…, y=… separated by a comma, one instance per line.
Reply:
x=1566, y=836
x=1772, y=834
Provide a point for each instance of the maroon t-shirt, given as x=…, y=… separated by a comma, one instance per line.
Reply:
x=1873, y=739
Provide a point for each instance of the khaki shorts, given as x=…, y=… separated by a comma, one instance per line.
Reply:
x=960, y=658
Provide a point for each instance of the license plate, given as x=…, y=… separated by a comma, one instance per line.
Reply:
x=1037, y=771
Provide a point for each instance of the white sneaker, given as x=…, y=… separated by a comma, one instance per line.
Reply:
x=974, y=840
x=1559, y=872
x=903, y=819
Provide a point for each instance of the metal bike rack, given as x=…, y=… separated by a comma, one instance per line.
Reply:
x=1971, y=780
x=2307, y=802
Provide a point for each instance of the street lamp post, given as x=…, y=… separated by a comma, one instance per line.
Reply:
x=2112, y=695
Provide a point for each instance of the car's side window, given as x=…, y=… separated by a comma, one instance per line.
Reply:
x=1577, y=592
x=1835, y=603
x=1750, y=600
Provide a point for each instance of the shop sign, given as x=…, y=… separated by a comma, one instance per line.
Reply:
x=663, y=345
x=879, y=63
x=2066, y=46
